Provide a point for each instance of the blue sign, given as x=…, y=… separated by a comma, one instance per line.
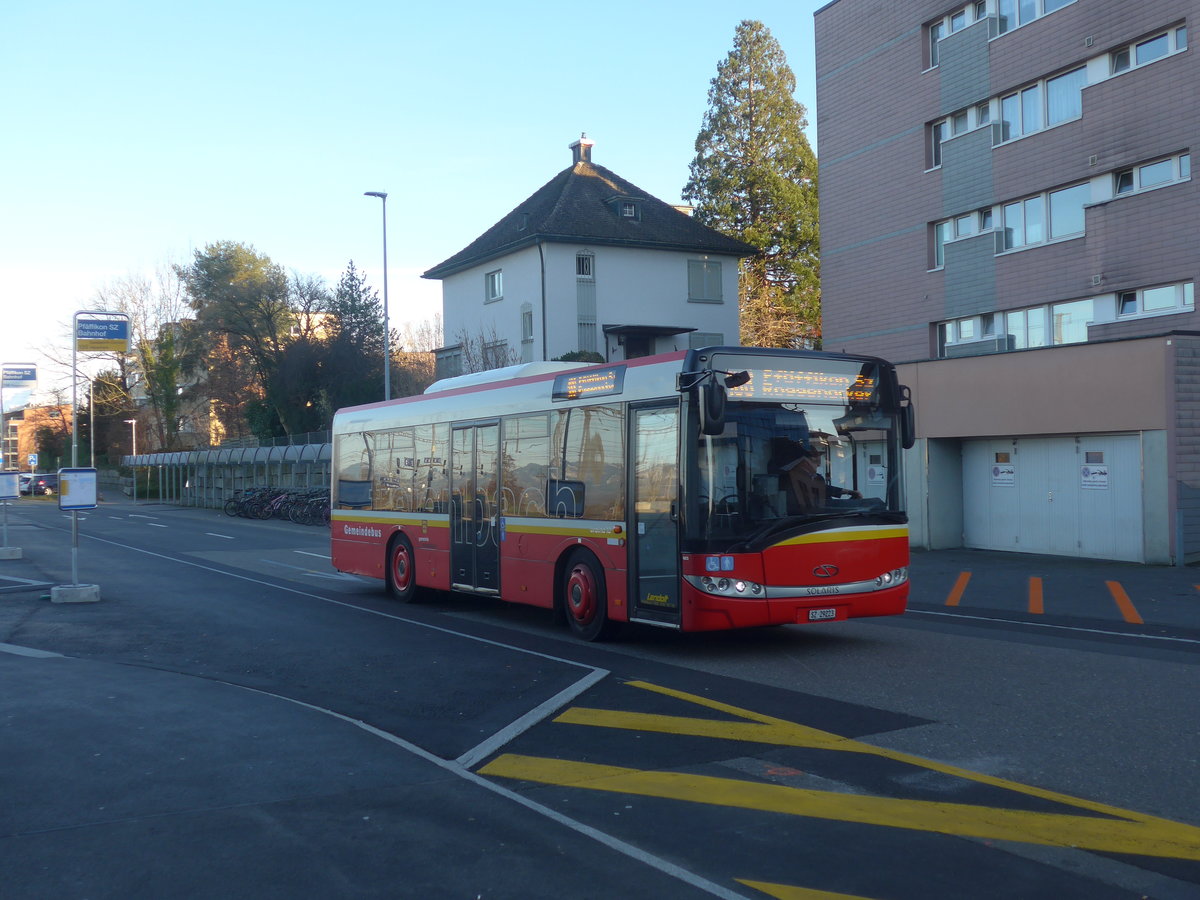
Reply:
x=19, y=376
x=102, y=334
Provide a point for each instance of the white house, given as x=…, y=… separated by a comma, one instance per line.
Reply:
x=589, y=262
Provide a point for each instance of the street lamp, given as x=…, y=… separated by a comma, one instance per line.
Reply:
x=387, y=351
x=133, y=426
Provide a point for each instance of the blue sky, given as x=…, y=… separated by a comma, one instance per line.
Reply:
x=137, y=132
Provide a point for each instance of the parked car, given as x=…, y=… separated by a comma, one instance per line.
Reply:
x=23, y=480
x=44, y=484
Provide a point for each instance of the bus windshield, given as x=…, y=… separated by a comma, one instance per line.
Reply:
x=780, y=465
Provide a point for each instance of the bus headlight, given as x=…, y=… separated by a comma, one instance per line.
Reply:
x=726, y=587
x=893, y=578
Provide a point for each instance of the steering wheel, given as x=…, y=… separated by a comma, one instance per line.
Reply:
x=726, y=506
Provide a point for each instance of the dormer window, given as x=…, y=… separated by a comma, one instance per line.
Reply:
x=627, y=207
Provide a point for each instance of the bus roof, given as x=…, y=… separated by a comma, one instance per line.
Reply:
x=508, y=373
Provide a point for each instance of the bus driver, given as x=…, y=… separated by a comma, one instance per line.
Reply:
x=801, y=471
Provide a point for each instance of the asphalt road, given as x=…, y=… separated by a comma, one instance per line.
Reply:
x=233, y=718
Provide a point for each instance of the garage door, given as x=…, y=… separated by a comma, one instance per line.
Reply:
x=1066, y=496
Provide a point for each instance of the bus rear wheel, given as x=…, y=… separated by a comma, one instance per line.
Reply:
x=585, y=599
x=402, y=570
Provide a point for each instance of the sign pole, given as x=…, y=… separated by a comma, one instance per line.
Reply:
x=8, y=492
x=97, y=331
x=12, y=375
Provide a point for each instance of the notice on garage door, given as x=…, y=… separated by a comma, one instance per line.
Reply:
x=1093, y=478
x=1004, y=475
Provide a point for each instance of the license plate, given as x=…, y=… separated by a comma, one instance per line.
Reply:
x=817, y=615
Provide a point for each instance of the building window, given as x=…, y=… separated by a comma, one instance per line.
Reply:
x=1043, y=105
x=699, y=339
x=1070, y=321
x=937, y=136
x=1026, y=328
x=493, y=286
x=1066, y=210
x=953, y=22
x=943, y=233
x=1015, y=13
x=1150, y=50
x=964, y=226
x=526, y=332
x=585, y=266
x=1025, y=221
x=1158, y=301
x=704, y=281
x=1156, y=174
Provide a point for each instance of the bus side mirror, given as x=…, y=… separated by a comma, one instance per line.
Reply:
x=908, y=420
x=712, y=408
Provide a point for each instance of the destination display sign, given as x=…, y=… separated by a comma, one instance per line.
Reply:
x=802, y=386
x=590, y=383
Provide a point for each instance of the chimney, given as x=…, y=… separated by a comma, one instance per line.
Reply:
x=581, y=150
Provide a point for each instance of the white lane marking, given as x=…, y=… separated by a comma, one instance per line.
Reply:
x=156, y=525
x=29, y=651
x=227, y=537
x=317, y=555
x=141, y=516
x=21, y=580
x=519, y=726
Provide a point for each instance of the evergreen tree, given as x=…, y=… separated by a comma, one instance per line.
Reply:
x=754, y=177
x=355, y=345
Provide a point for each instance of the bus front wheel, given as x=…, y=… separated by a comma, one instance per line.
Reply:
x=585, y=600
x=402, y=570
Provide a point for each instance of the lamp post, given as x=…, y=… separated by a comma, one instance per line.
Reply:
x=387, y=350
x=133, y=427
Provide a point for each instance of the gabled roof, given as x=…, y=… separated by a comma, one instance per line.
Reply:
x=582, y=204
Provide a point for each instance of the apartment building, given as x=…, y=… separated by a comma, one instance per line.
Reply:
x=1008, y=211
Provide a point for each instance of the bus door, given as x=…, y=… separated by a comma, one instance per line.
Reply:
x=474, y=512
x=654, y=513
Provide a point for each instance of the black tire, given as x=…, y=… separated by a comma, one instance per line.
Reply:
x=232, y=507
x=402, y=571
x=585, y=598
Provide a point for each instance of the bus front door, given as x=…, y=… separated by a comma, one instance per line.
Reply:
x=474, y=512
x=654, y=517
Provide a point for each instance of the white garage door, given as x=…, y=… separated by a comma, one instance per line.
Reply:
x=1073, y=496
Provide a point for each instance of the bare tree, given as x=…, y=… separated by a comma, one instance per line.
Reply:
x=485, y=350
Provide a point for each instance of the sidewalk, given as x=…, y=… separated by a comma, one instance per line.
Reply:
x=1040, y=588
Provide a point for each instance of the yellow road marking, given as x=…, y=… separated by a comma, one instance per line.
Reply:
x=1124, y=604
x=1111, y=830
x=1139, y=835
x=787, y=892
x=956, y=592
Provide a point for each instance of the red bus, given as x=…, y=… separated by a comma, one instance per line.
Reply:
x=726, y=487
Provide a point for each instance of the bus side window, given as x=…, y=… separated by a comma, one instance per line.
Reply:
x=525, y=461
x=354, y=481
x=593, y=455
x=566, y=498
x=430, y=484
